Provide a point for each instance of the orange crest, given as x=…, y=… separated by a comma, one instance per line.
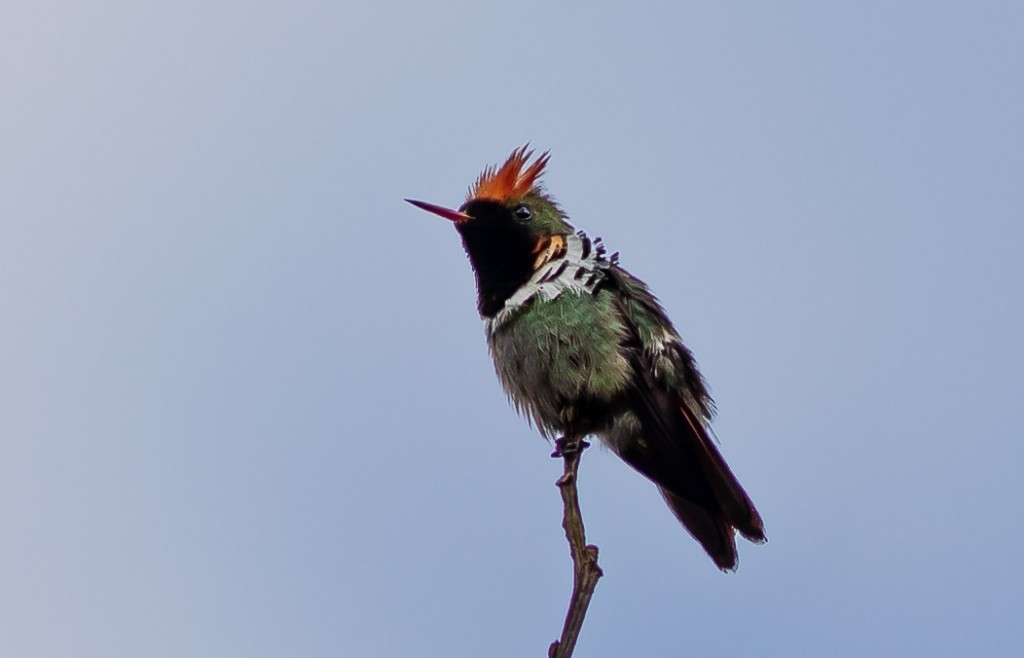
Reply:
x=510, y=181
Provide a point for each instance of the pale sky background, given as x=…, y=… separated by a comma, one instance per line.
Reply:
x=246, y=407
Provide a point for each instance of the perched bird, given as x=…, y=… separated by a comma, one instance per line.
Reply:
x=582, y=347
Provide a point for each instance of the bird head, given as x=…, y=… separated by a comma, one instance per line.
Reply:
x=509, y=225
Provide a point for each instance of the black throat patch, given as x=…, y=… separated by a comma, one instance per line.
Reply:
x=500, y=248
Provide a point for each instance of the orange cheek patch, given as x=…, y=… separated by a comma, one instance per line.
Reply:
x=548, y=248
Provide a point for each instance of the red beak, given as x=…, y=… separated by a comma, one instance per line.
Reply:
x=447, y=213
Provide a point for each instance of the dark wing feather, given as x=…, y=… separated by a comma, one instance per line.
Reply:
x=675, y=450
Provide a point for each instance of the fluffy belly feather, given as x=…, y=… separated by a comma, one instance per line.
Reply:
x=557, y=358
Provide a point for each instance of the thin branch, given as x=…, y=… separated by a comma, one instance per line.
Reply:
x=586, y=572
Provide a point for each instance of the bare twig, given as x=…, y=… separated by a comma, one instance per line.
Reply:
x=586, y=572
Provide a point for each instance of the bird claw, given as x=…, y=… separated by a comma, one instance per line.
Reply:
x=569, y=447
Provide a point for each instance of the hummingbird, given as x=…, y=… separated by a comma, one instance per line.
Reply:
x=583, y=348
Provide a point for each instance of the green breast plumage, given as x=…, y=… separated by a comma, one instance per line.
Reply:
x=557, y=354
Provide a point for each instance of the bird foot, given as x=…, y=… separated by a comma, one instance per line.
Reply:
x=565, y=447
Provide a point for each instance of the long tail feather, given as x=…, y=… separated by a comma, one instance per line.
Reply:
x=733, y=500
x=672, y=446
x=676, y=452
x=715, y=536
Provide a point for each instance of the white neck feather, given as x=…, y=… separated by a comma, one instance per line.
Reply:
x=580, y=270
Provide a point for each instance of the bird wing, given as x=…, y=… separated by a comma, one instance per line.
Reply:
x=675, y=449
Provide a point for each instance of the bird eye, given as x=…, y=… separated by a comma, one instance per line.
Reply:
x=522, y=212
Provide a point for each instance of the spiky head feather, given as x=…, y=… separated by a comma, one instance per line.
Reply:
x=512, y=180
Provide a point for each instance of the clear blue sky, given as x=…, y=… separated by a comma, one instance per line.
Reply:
x=246, y=407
